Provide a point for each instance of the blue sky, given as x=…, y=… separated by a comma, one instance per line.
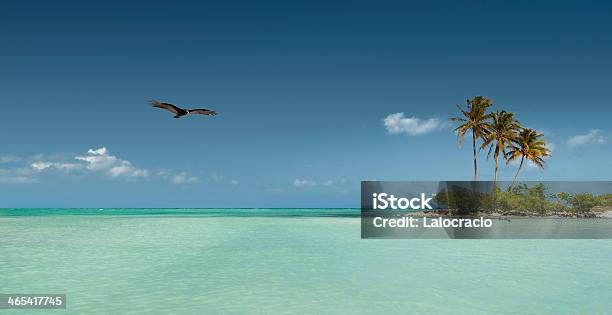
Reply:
x=302, y=88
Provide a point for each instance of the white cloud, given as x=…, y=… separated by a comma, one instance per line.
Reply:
x=214, y=177
x=99, y=151
x=9, y=159
x=16, y=176
x=398, y=123
x=311, y=182
x=593, y=137
x=41, y=166
x=127, y=169
x=98, y=160
x=184, y=178
x=304, y=182
x=234, y=182
x=177, y=178
x=165, y=174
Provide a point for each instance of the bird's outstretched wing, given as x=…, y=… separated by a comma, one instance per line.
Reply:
x=203, y=111
x=167, y=106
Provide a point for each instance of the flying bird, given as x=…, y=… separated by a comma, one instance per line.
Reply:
x=179, y=112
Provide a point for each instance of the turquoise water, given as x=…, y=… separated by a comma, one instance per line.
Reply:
x=287, y=261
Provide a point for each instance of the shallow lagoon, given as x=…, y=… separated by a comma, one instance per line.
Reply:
x=197, y=263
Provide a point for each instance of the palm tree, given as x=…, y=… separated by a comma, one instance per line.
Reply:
x=502, y=131
x=527, y=145
x=474, y=119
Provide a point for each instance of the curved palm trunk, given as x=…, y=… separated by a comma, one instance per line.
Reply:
x=474, y=147
x=496, y=167
x=517, y=172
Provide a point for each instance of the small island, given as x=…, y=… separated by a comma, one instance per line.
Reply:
x=522, y=201
x=503, y=136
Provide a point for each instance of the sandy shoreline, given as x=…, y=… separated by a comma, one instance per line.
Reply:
x=497, y=215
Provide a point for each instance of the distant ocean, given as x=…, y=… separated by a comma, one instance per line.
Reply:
x=286, y=261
